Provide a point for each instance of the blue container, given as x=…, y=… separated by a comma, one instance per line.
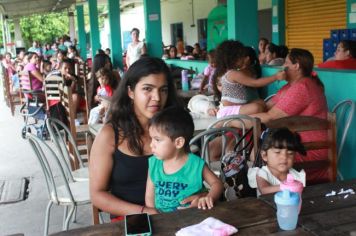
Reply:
x=335, y=35
x=185, y=80
x=344, y=34
x=287, y=209
x=352, y=34
x=327, y=44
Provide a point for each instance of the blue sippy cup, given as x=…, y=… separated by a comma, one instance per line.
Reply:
x=287, y=209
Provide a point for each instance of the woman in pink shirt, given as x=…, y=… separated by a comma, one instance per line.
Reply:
x=303, y=95
x=36, y=76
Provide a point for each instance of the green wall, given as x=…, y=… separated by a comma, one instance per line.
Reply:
x=339, y=85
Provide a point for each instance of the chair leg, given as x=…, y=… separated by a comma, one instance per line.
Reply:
x=65, y=213
x=74, y=218
x=48, y=209
x=101, y=218
x=71, y=211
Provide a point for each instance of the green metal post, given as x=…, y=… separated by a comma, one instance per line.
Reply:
x=351, y=14
x=115, y=33
x=278, y=22
x=94, y=27
x=242, y=21
x=152, y=11
x=81, y=32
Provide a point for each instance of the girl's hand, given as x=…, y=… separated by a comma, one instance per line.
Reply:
x=192, y=200
x=213, y=111
x=281, y=75
x=205, y=202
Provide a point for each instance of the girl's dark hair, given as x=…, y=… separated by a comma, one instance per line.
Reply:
x=282, y=51
x=226, y=55
x=255, y=66
x=306, y=63
x=282, y=138
x=273, y=48
x=135, y=29
x=349, y=45
x=121, y=110
x=174, y=122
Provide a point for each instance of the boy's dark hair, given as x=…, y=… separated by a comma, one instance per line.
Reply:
x=282, y=138
x=174, y=122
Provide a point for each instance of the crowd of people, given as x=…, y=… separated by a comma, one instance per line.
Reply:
x=141, y=161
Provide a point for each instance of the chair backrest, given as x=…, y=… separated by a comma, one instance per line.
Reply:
x=344, y=111
x=309, y=123
x=25, y=85
x=243, y=121
x=50, y=163
x=81, y=71
x=63, y=140
x=51, y=86
x=11, y=98
x=204, y=138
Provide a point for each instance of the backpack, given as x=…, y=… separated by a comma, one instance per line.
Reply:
x=234, y=168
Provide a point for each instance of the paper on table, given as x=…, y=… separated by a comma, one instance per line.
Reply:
x=208, y=227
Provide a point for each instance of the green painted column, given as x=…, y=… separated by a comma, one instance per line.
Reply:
x=94, y=27
x=242, y=21
x=115, y=33
x=278, y=22
x=152, y=11
x=351, y=14
x=81, y=32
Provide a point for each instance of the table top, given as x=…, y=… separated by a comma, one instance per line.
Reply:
x=250, y=215
x=333, y=215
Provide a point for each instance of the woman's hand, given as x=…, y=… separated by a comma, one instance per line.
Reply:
x=213, y=111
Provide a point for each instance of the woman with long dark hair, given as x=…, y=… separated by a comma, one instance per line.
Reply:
x=119, y=157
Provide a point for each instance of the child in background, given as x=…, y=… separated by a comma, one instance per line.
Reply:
x=278, y=151
x=104, y=91
x=16, y=78
x=175, y=174
x=207, y=82
x=239, y=68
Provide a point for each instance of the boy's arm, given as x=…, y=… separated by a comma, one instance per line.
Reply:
x=264, y=187
x=216, y=188
x=150, y=193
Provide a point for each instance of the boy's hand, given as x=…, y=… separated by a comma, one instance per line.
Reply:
x=281, y=75
x=205, y=202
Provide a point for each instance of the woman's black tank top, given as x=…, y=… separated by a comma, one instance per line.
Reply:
x=129, y=176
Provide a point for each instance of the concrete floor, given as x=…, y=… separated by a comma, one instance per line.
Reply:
x=18, y=160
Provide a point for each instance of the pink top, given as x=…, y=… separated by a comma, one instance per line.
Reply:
x=36, y=83
x=306, y=98
x=209, y=72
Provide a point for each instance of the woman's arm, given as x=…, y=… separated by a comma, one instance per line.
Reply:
x=272, y=114
x=242, y=78
x=150, y=193
x=143, y=49
x=38, y=75
x=264, y=187
x=101, y=163
x=216, y=188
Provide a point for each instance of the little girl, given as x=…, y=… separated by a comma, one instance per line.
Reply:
x=278, y=151
x=103, y=91
x=207, y=82
x=239, y=68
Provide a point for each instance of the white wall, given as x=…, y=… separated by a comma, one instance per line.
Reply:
x=181, y=12
x=172, y=11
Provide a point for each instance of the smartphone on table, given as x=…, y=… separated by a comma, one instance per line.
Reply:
x=138, y=224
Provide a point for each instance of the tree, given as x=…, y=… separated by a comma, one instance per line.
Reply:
x=44, y=28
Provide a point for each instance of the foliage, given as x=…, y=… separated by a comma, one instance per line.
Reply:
x=45, y=27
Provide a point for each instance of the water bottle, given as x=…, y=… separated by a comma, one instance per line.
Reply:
x=294, y=186
x=185, y=80
x=287, y=209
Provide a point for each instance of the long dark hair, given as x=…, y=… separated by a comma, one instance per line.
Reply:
x=121, y=110
x=306, y=63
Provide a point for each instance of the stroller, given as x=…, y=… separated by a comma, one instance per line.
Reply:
x=33, y=108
